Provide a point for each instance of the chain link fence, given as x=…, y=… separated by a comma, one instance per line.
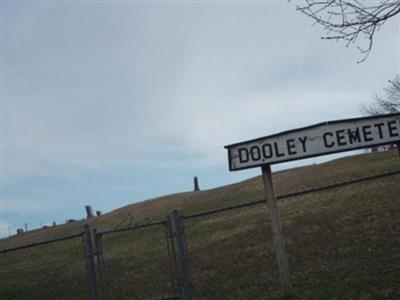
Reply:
x=224, y=253
x=47, y=270
x=135, y=262
x=231, y=257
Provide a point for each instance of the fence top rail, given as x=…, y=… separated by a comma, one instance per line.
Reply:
x=65, y=238
x=338, y=184
x=137, y=226
x=221, y=209
x=168, y=298
x=298, y=193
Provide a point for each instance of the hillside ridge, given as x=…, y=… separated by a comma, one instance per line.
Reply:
x=286, y=181
x=341, y=243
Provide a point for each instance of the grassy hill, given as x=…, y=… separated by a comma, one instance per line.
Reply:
x=342, y=243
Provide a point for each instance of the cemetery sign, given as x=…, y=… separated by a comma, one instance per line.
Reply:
x=319, y=139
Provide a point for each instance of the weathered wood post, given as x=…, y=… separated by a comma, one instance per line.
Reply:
x=398, y=149
x=185, y=278
x=279, y=244
x=89, y=261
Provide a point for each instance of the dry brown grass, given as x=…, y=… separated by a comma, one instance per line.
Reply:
x=342, y=243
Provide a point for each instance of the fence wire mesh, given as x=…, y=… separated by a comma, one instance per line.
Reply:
x=230, y=252
x=350, y=248
x=231, y=255
x=137, y=264
x=50, y=271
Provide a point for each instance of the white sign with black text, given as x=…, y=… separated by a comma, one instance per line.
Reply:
x=319, y=139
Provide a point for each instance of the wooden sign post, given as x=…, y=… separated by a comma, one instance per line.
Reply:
x=398, y=149
x=323, y=138
x=277, y=233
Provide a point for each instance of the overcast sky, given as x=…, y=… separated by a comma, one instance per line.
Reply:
x=112, y=102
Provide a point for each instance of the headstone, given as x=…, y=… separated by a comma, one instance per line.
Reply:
x=196, y=184
x=89, y=212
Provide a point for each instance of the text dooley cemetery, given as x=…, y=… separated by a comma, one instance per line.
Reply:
x=323, y=138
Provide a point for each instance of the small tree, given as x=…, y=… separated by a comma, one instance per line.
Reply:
x=350, y=19
x=386, y=102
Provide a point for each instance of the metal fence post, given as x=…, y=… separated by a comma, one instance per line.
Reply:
x=185, y=286
x=100, y=263
x=89, y=261
x=169, y=235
